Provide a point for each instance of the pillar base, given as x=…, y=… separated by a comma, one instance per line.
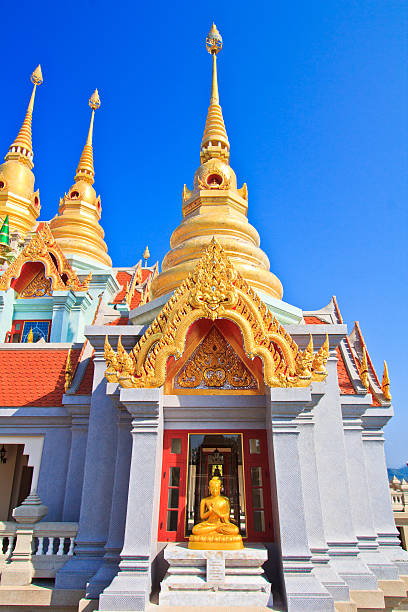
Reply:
x=395, y=592
x=368, y=600
x=77, y=572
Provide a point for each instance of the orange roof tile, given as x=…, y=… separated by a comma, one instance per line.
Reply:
x=119, y=321
x=123, y=279
x=345, y=384
x=34, y=377
x=135, y=301
x=85, y=386
x=313, y=321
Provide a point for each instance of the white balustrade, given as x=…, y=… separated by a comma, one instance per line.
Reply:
x=52, y=545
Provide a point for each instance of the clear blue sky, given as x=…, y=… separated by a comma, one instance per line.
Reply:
x=314, y=96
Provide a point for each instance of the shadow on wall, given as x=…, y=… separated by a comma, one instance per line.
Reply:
x=274, y=572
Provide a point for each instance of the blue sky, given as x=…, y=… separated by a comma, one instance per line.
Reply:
x=314, y=96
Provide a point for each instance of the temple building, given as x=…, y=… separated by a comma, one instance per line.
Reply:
x=180, y=436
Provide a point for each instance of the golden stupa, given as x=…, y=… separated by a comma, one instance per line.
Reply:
x=215, y=207
x=76, y=228
x=17, y=197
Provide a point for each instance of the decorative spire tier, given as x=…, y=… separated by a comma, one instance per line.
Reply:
x=216, y=207
x=76, y=227
x=17, y=197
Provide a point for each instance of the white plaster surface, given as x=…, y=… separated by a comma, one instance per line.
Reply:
x=215, y=577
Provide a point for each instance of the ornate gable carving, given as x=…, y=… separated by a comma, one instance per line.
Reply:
x=40, y=248
x=215, y=290
x=40, y=286
x=214, y=365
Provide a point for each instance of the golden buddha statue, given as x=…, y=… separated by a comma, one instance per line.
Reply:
x=216, y=532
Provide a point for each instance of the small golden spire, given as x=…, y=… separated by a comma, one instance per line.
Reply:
x=30, y=335
x=85, y=170
x=68, y=372
x=146, y=255
x=22, y=147
x=215, y=140
x=385, y=386
x=364, y=369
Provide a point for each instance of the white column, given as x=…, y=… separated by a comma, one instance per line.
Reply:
x=373, y=443
x=98, y=483
x=130, y=589
x=311, y=498
x=334, y=487
x=79, y=432
x=361, y=510
x=114, y=545
x=304, y=592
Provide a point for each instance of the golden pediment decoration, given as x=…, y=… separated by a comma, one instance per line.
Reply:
x=215, y=365
x=216, y=290
x=43, y=248
x=40, y=286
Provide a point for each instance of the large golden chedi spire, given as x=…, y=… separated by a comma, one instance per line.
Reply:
x=17, y=197
x=76, y=228
x=216, y=207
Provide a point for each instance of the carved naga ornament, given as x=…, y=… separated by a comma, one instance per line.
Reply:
x=215, y=290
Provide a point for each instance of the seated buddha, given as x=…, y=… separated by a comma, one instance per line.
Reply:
x=216, y=532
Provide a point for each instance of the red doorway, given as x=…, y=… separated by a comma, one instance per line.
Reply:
x=239, y=458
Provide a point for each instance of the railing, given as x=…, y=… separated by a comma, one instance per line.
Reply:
x=399, y=495
x=52, y=544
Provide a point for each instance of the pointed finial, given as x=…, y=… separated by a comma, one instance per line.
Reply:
x=364, y=369
x=30, y=335
x=94, y=100
x=385, y=386
x=107, y=347
x=215, y=140
x=309, y=347
x=68, y=372
x=146, y=255
x=5, y=233
x=326, y=347
x=22, y=147
x=37, y=77
x=85, y=171
x=213, y=42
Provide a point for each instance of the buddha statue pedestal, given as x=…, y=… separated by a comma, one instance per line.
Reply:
x=216, y=532
x=215, y=577
x=215, y=569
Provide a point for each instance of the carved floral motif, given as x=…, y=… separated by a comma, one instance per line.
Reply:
x=40, y=286
x=215, y=365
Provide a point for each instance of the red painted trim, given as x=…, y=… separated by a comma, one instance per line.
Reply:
x=180, y=460
x=9, y=335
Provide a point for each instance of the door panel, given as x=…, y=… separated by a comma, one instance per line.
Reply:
x=257, y=486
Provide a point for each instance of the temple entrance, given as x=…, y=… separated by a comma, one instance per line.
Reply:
x=239, y=459
x=215, y=455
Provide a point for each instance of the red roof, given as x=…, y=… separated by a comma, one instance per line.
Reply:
x=120, y=321
x=345, y=384
x=34, y=377
x=85, y=386
x=123, y=279
x=135, y=301
x=313, y=321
